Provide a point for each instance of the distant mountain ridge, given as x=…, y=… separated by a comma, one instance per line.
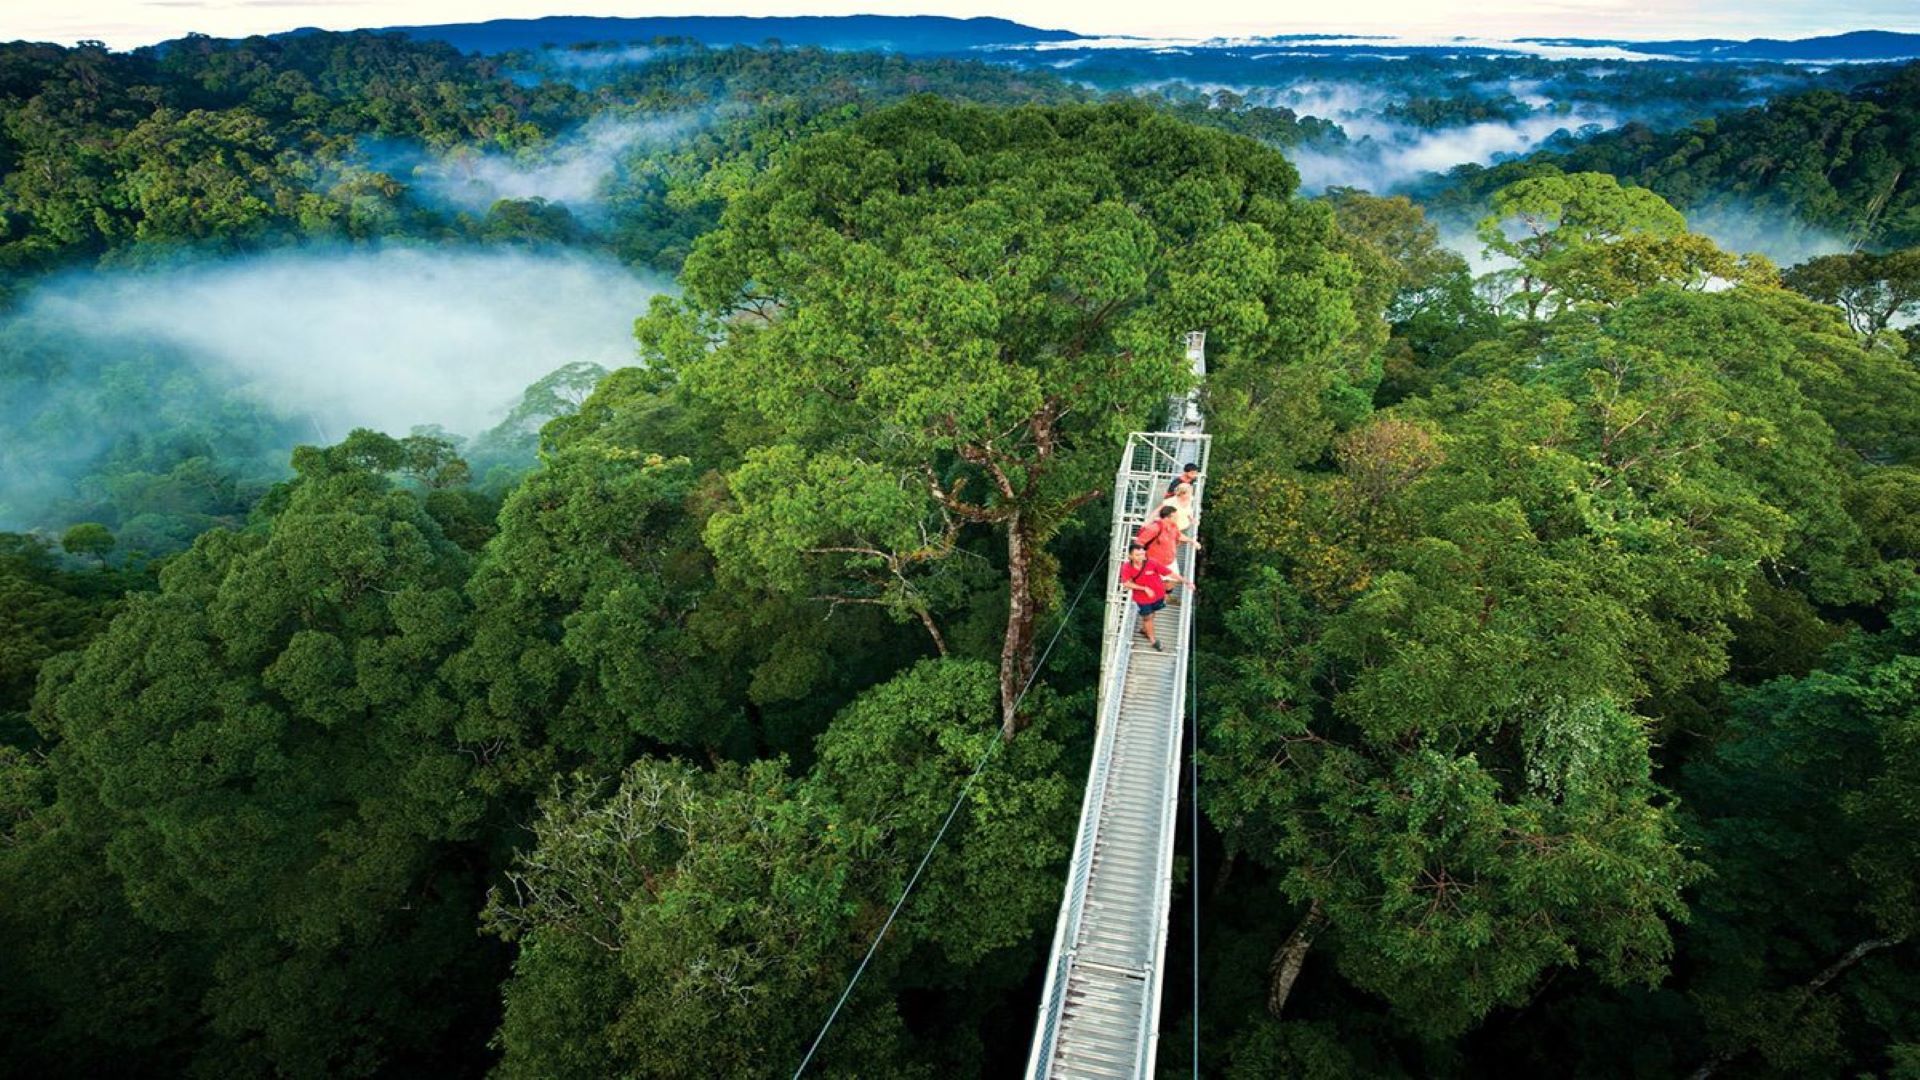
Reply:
x=1858, y=45
x=939, y=34
x=885, y=33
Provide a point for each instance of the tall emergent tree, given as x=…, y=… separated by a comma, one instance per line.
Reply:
x=974, y=307
x=1582, y=239
x=1872, y=289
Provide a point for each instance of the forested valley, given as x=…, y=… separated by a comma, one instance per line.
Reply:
x=1558, y=650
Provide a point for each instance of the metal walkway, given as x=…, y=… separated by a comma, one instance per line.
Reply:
x=1099, y=1013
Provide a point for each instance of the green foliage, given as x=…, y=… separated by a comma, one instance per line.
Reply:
x=1461, y=832
x=645, y=913
x=529, y=221
x=1817, y=162
x=1424, y=289
x=581, y=637
x=1805, y=807
x=240, y=144
x=1581, y=239
x=1228, y=111
x=266, y=754
x=1559, y=668
x=1313, y=1051
x=977, y=306
x=1446, y=677
x=1871, y=289
x=644, y=919
x=46, y=610
x=513, y=442
x=895, y=759
x=138, y=439
x=224, y=144
x=88, y=539
x=86, y=987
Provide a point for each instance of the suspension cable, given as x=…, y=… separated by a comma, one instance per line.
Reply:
x=1193, y=795
x=958, y=801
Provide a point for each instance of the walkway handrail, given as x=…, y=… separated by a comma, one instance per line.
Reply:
x=1148, y=464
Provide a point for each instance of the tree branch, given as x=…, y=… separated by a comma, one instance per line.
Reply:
x=1284, y=969
x=1813, y=986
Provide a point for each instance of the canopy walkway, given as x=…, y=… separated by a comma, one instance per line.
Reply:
x=1099, y=1013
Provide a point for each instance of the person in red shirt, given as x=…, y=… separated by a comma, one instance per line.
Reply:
x=1161, y=537
x=1148, y=581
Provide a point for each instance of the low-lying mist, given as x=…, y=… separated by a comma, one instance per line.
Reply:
x=1390, y=156
x=1378, y=148
x=573, y=169
x=234, y=361
x=1732, y=225
x=383, y=339
x=1777, y=234
x=579, y=168
x=597, y=59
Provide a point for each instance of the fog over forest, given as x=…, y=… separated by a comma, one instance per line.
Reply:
x=573, y=168
x=384, y=339
x=1385, y=156
x=323, y=340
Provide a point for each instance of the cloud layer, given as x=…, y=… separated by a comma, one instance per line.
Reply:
x=573, y=170
x=384, y=339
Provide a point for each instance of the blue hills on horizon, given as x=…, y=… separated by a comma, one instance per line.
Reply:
x=884, y=33
x=1853, y=45
x=939, y=34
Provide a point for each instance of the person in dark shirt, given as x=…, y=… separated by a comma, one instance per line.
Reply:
x=1188, y=474
x=1148, y=581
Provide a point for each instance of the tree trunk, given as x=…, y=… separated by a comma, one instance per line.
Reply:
x=1287, y=960
x=1225, y=874
x=1016, y=655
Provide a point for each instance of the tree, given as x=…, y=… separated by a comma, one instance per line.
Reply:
x=201, y=175
x=529, y=221
x=689, y=923
x=86, y=986
x=1446, y=775
x=1425, y=290
x=1642, y=492
x=678, y=925
x=559, y=392
x=981, y=304
x=1872, y=289
x=805, y=525
x=1400, y=233
x=89, y=539
x=1582, y=239
x=581, y=648
x=43, y=612
x=895, y=759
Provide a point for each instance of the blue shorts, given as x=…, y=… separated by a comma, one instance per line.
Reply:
x=1148, y=609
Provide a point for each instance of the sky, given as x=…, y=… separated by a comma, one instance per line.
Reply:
x=128, y=23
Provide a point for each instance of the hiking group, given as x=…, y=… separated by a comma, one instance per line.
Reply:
x=1155, y=550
